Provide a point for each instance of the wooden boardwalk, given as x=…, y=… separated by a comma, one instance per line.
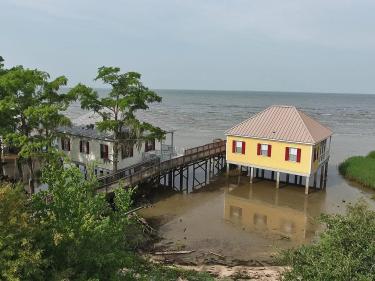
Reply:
x=152, y=169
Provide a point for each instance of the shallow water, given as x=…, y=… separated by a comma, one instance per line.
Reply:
x=234, y=218
x=243, y=221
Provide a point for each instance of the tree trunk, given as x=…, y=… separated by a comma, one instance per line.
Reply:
x=115, y=155
x=19, y=168
x=31, y=175
x=1, y=160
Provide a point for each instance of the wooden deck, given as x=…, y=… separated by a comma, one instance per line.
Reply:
x=142, y=172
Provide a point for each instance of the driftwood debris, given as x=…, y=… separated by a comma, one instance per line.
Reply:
x=174, y=252
x=137, y=209
x=216, y=254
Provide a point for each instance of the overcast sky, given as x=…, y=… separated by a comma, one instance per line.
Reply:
x=300, y=45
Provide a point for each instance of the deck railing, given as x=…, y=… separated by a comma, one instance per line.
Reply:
x=152, y=169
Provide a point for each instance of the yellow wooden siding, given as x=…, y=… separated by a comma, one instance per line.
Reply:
x=276, y=161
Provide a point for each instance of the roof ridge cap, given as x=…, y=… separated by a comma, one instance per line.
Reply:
x=304, y=124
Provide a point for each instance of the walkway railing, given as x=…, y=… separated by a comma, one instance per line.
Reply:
x=149, y=170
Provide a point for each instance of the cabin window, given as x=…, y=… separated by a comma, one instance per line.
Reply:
x=103, y=151
x=264, y=149
x=238, y=147
x=293, y=154
x=65, y=144
x=84, y=146
x=149, y=145
x=126, y=151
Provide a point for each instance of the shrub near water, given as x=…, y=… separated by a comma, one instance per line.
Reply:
x=345, y=250
x=360, y=169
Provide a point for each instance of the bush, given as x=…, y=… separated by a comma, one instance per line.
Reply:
x=345, y=249
x=360, y=169
x=371, y=155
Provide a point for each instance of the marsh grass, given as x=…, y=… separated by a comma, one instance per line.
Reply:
x=360, y=169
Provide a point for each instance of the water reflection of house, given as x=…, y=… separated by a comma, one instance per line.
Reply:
x=269, y=211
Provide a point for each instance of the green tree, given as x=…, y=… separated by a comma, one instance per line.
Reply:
x=345, y=249
x=82, y=237
x=118, y=109
x=36, y=106
x=20, y=258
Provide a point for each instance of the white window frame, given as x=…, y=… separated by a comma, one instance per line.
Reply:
x=293, y=154
x=264, y=152
x=239, y=145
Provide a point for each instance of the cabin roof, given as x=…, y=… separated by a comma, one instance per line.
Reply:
x=84, y=126
x=282, y=123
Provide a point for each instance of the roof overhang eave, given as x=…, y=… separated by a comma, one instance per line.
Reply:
x=272, y=139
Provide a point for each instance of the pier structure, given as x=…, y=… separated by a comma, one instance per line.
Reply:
x=190, y=171
x=283, y=144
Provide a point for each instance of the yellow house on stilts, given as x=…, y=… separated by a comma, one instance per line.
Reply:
x=283, y=141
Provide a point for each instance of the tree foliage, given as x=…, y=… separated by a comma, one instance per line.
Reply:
x=118, y=110
x=67, y=232
x=344, y=251
x=20, y=258
x=32, y=106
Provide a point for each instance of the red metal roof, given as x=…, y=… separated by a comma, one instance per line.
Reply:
x=282, y=123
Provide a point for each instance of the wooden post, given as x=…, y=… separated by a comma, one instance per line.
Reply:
x=272, y=175
x=193, y=176
x=205, y=172
x=187, y=178
x=300, y=180
x=262, y=173
x=277, y=179
x=307, y=185
x=181, y=178
x=251, y=174
x=227, y=170
x=296, y=179
x=256, y=172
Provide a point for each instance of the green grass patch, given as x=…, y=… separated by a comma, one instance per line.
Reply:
x=360, y=169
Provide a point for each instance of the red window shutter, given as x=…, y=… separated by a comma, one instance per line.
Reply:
x=287, y=154
x=269, y=150
x=80, y=146
x=298, y=155
x=87, y=147
x=243, y=147
x=258, y=149
x=234, y=146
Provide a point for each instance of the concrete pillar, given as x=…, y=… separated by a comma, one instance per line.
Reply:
x=307, y=185
x=251, y=174
x=325, y=174
x=277, y=179
x=227, y=170
x=315, y=176
x=321, y=177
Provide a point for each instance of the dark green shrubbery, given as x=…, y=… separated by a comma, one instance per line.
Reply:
x=345, y=250
x=360, y=169
x=69, y=232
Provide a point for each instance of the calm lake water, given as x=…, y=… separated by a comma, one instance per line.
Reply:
x=243, y=221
